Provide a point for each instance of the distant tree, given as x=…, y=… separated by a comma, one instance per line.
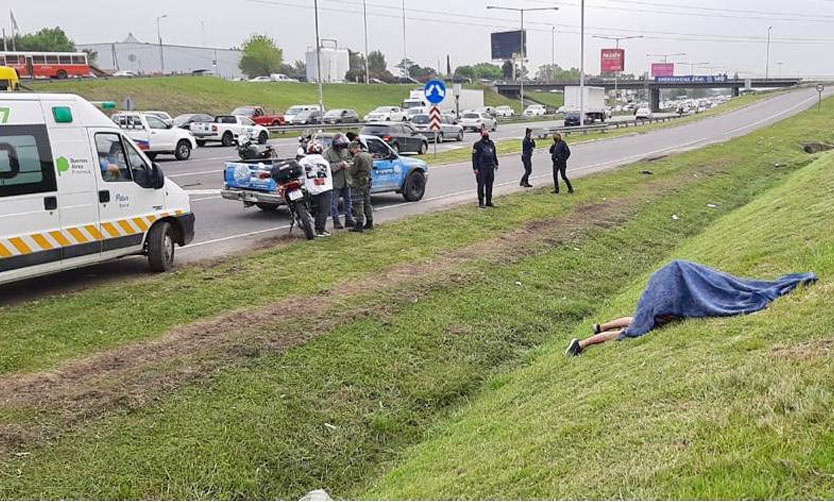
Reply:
x=261, y=56
x=555, y=72
x=376, y=62
x=465, y=72
x=356, y=73
x=47, y=39
x=298, y=68
x=488, y=71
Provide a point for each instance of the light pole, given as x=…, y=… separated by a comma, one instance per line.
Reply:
x=553, y=55
x=406, y=69
x=767, y=54
x=522, y=11
x=318, y=56
x=159, y=36
x=617, y=46
x=365, y=18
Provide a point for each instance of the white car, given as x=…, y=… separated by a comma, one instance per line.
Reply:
x=474, y=121
x=504, y=111
x=155, y=136
x=125, y=73
x=386, y=114
x=280, y=77
x=294, y=110
x=416, y=110
x=261, y=78
x=535, y=111
x=643, y=113
x=227, y=129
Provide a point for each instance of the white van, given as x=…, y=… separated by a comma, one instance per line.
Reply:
x=296, y=109
x=155, y=136
x=75, y=191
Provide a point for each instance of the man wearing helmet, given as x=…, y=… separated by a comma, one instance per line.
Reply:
x=340, y=161
x=318, y=181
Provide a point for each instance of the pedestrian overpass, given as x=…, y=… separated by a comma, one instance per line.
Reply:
x=653, y=87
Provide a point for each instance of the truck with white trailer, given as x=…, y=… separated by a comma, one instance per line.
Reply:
x=594, y=102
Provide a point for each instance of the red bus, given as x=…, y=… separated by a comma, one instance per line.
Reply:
x=47, y=64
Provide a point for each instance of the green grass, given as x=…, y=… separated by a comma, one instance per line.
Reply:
x=395, y=365
x=549, y=99
x=216, y=96
x=734, y=408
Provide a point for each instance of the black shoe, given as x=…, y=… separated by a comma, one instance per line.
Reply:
x=522, y=184
x=337, y=224
x=369, y=225
x=596, y=329
x=481, y=206
x=528, y=185
x=357, y=228
x=570, y=191
x=490, y=204
x=556, y=192
x=574, y=349
x=350, y=222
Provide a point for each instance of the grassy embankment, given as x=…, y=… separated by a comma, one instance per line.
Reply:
x=434, y=324
x=216, y=96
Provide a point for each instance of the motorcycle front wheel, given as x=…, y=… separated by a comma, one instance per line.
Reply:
x=305, y=221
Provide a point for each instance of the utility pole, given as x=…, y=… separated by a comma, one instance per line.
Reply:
x=553, y=54
x=365, y=18
x=523, y=39
x=767, y=54
x=617, y=46
x=318, y=56
x=406, y=69
x=159, y=36
x=582, y=62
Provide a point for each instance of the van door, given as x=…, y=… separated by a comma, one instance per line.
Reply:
x=127, y=208
x=30, y=236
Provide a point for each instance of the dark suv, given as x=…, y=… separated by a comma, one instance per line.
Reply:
x=572, y=119
x=402, y=137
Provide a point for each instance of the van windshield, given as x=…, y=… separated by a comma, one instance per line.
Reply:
x=295, y=110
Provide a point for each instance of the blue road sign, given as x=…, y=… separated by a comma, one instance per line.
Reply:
x=435, y=91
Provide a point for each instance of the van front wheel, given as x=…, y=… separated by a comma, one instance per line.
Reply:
x=161, y=247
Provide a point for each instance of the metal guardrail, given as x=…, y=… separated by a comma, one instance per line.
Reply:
x=340, y=127
x=544, y=132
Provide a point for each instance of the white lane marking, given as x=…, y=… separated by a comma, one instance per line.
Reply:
x=216, y=197
x=801, y=103
x=205, y=191
x=238, y=236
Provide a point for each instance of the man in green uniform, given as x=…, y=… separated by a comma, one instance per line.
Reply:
x=339, y=158
x=360, y=176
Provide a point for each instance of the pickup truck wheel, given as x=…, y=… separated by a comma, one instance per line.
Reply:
x=161, y=247
x=440, y=137
x=424, y=147
x=183, y=151
x=201, y=142
x=228, y=139
x=275, y=123
x=266, y=207
x=415, y=186
x=263, y=137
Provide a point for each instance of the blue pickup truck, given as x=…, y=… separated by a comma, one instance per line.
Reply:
x=250, y=181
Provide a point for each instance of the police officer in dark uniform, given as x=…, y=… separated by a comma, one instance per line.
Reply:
x=484, y=163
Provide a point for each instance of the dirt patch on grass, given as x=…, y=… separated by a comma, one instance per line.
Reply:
x=133, y=376
x=806, y=351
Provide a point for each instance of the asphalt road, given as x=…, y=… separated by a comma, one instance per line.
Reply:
x=225, y=227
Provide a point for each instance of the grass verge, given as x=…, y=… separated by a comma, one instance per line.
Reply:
x=733, y=408
x=334, y=411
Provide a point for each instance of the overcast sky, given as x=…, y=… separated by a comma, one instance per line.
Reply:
x=728, y=36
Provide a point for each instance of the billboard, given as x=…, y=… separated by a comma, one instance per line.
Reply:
x=663, y=70
x=612, y=60
x=506, y=44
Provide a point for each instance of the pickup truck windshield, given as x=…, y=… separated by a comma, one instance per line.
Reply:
x=244, y=110
x=295, y=110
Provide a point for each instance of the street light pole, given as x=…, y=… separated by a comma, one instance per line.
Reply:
x=582, y=62
x=553, y=55
x=365, y=18
x=159, y=36
x=767, y=54
x=406, y=69
x=617, y=46
x=318, y=56
x=522, y=11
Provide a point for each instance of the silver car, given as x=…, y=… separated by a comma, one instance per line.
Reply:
x=449, y=128
x=476, y=120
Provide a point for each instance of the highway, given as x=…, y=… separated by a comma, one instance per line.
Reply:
x=225, y=228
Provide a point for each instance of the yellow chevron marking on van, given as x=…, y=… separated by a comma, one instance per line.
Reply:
x=60, y=239
x=21, y=246
x=127, y=227
x=110, y=229
x=93, y=230
x=42, y=242
x=140, y=222
x=78, y=236
x=4, y=251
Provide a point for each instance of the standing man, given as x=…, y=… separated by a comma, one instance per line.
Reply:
x=340, y=160
x=559, y=153
x=484, y=163
x=528, y=144
x=318, y=181
x=360, y=175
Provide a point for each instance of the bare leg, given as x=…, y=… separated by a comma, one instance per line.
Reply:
x=600, y=338
x=622, y=322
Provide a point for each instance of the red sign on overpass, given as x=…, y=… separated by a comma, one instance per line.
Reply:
x=612, y=60
x=663, y=70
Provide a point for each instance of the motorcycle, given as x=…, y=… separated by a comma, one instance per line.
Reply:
x=289, y=176
x=248, y=150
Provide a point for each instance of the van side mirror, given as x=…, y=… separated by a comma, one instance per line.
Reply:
x=154, y=178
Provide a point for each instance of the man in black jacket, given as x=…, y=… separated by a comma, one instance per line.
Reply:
x=484, y=163
x=528, y=144
x=559, y=153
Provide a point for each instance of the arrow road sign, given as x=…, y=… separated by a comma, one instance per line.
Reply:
x=434, y=119
x=435, y=91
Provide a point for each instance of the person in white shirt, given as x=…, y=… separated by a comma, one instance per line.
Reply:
x=318, y=180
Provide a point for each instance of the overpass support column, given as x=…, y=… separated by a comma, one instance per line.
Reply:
x=736, y=92
x=654, y=99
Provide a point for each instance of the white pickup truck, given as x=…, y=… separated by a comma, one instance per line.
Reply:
x=227, y=128
x=155, y=136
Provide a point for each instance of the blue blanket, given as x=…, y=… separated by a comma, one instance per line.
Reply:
x=685, y=289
